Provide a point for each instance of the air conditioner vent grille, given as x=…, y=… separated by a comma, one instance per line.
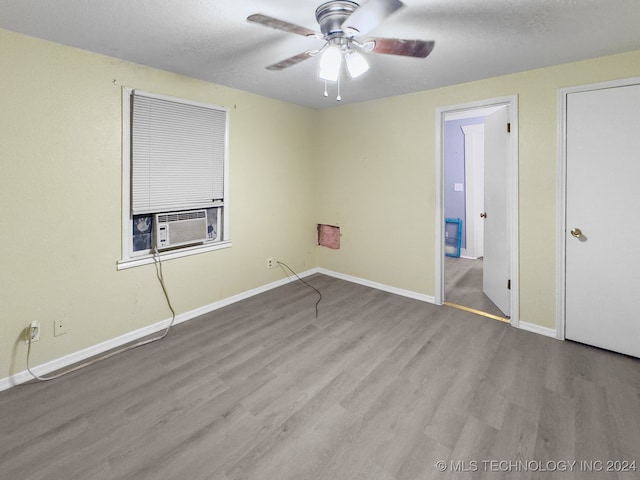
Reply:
x=179, y=216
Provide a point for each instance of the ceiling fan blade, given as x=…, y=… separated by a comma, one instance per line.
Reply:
x=370, y=15
x=288, y=62
x=281, y=25
x=397, y=46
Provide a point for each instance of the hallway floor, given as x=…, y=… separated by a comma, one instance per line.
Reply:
x=463, y=285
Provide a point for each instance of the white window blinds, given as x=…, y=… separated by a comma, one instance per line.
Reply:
x=177, y=154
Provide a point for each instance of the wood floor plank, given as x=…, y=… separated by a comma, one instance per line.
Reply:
x=556, y=438
x=376, y=387
x=312, y=412
x=420, y=401
x=515, y=442
x=489, y=405
x=594, y=427
x=473, y=447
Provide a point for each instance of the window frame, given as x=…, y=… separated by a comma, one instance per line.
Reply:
x=128, y=257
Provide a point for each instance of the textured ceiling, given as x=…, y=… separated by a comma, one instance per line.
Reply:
x=211, y=39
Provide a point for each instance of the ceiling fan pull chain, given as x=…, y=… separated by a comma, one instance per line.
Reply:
x=338, y=98
x=326, y=93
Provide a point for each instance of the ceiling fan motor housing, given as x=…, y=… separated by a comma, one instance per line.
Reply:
x=331, y=16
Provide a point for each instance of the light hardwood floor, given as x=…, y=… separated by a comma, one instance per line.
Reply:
x=378, y=387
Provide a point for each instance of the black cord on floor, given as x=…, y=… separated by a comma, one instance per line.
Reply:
x=282, y=264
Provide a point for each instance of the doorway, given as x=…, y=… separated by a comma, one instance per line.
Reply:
x=464, y=280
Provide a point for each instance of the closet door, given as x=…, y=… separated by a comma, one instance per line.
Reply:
x=602, y=270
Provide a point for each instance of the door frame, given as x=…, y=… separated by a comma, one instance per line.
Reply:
x=510, y=101
x=561, y=247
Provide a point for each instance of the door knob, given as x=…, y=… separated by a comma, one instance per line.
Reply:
x=483, y=215
x=576, y=232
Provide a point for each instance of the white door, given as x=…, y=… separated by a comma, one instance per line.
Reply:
x=497, y=251
x=602, y=291
x=474, y=189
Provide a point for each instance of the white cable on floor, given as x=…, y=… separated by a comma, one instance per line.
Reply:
x=160, y=275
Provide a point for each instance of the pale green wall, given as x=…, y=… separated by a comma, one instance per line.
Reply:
x=60, y=190
x=376, y=171
x=368, y=168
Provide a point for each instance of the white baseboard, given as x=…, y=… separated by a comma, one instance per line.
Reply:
x=378, y=286
x=532, y=327
x=57, y=364
x=76, y=357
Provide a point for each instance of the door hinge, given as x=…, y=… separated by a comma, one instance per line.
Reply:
x=509, y=284
x=509, y=127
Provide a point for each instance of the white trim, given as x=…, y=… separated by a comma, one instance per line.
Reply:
x=443, y=113
x=127, y=238
x=171, y=254
x=127, y=260
x=73, y=358
x=59, y=363
x=515, y=211
x=438, y=263
x=532, y=327
x=76, y=357
x=561, y=214
x=476, y=112
x=169, y=98
x=562, y=192
x=378, y=286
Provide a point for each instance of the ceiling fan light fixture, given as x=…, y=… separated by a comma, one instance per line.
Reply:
x=356, y=63
x=341, y=21
x=330, y=63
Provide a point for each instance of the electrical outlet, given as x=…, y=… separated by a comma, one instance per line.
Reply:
x=59, y=328
x=33, y=332
x=270, y=262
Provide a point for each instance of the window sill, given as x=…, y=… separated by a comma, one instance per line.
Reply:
x=126, y=263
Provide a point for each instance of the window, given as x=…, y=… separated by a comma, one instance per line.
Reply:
x=175, y=176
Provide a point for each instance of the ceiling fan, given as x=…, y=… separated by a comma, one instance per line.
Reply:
x=341, y=21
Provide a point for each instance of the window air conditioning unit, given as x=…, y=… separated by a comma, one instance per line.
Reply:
x=180, y=228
